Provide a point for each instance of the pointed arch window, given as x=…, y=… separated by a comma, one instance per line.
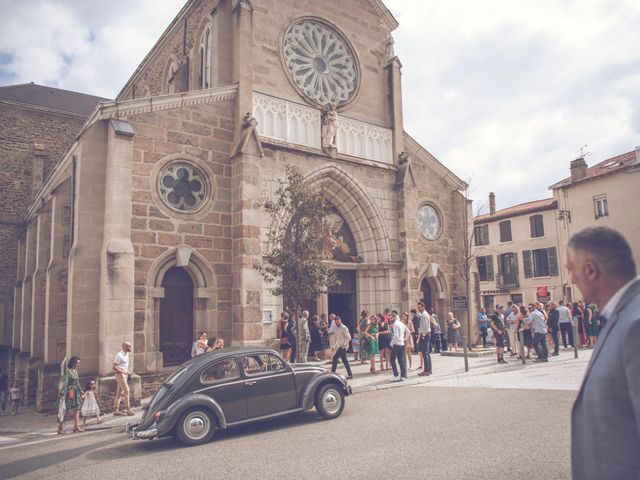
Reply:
x=205, y=59
x=171, y=74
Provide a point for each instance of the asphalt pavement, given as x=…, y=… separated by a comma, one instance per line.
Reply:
x=493, y=421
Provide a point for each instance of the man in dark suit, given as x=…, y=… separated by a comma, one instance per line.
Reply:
x=605, y=422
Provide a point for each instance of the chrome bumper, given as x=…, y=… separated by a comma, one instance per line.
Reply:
x=133, y=432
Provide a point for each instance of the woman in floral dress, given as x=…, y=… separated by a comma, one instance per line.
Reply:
x=70, y=396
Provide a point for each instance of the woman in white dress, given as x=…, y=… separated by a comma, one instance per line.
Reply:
x=90, y=407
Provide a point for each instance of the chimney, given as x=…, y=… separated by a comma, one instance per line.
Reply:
x=578, y=169
x=492, y=203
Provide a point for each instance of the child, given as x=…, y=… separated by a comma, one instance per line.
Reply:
x=15, y=396
x=355, y=346
x=90, y=407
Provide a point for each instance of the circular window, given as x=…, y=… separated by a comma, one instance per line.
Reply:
x=429, y=221
x=320, y=62
x=182, y=187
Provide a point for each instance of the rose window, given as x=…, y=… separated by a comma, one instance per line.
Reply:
x=182, y=187
x=320, y=62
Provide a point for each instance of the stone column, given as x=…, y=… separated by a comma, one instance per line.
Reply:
x=55, y=314
x=23, y=358
x=117, y=258
x=83, y=298
x=242, y=43
x=38, y=293
x=395, y=102
x=17, y=295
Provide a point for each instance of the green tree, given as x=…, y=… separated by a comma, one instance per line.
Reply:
x=294, y=265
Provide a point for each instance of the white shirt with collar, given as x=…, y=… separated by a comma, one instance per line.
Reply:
x=399, y=333
x=342, y=337
x=608, y=310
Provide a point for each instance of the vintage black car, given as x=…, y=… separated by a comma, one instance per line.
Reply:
x=235, y=386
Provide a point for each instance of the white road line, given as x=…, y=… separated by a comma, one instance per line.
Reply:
x=58, y=437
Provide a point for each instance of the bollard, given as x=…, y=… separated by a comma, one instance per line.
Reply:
x=464, y=350
x=576, y=338
x=521, y=346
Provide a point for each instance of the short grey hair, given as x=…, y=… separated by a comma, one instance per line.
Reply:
x=609, y=247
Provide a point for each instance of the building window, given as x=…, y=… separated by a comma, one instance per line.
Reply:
x=171, y=75
x=481, y=234
x=485, y=268
x=537, y=226
x=542, y=262
x=517, y=299
x=505, y=231
x=182, y=187
x=489, y=303
x=508, y=269
x=600, y=206
x=205, y=60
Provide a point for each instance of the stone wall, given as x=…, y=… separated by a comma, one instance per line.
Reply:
x=23, y=168
x=201, y=135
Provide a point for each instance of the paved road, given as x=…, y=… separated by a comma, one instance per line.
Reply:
x=414, y=432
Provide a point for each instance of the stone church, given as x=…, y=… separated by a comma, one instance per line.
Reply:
x=149, y=225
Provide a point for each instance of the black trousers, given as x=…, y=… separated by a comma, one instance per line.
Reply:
x=398, y=352
x=341, y=354
x=566, y=329
x=540, y=345
x=556, y=339
x=424, y=345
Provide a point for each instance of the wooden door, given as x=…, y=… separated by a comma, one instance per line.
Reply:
x=176, y=317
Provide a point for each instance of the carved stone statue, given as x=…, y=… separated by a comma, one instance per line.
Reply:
x=329, y=128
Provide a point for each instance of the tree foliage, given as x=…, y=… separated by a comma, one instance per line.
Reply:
x=294, y=267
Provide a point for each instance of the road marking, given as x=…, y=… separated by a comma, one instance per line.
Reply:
x=55, y=436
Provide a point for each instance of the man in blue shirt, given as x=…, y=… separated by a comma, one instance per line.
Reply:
x=483, y=323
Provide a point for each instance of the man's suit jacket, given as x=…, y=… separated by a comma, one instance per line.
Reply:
x=605, y=422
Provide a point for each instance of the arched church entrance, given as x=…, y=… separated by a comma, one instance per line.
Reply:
x=342, y=298
x=176, y=316
x=425, y=290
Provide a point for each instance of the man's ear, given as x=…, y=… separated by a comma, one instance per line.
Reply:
x=592, y=270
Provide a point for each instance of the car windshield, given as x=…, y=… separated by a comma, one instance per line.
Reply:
x=175, y=376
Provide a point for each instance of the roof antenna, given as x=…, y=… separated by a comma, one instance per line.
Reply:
x=582, y=152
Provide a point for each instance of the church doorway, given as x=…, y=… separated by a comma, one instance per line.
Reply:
x=425, y=289
x=342, y=298
x=176, y=316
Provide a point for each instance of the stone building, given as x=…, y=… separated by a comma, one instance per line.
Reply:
x=165, y=184
x=604, y=194
x=517, y=254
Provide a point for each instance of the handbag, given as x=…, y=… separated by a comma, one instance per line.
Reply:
x=71, y=394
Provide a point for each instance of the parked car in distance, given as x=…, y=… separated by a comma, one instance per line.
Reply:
x=235, y=386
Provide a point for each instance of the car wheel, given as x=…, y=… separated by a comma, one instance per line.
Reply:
x=329, y=401
x=195, y=426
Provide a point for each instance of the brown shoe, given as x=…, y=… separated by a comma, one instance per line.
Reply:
x=130, y=412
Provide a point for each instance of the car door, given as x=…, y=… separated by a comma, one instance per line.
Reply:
x=269, y=385
x=222, y=381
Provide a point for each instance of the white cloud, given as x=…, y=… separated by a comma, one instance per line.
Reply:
x=499, y=90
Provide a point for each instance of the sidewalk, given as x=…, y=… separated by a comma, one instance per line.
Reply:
x=28, y=421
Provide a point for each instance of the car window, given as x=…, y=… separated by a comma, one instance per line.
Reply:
x=222, y=370
x=262, y=362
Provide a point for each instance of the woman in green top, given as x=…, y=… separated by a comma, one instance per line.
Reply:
x=70, y=396
x=372, y=334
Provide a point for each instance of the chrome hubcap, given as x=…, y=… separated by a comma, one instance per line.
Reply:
x=196, y=425
x=331, y=401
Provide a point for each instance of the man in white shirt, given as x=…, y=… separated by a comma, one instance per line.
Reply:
x=398, y=347
x=121, y=369
x=511, y=328
x=304, y=337
x=605, y=421
x=341, y=345
x=566, y=327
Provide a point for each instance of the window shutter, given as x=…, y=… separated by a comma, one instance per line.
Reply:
x=553, y=261
x=532, y=225
x=526, y=260
x=540, y=225
x=489, y=267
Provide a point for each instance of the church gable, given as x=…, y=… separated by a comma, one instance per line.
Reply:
x=188, y=56
x=353, y=27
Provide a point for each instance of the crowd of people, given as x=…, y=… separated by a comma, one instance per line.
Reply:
x=539, y=327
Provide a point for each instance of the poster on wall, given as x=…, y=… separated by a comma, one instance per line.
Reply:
x=542, y=294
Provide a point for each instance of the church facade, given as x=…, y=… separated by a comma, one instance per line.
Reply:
x=163, y=188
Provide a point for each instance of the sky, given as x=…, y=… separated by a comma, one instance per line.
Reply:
x=505, y=93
